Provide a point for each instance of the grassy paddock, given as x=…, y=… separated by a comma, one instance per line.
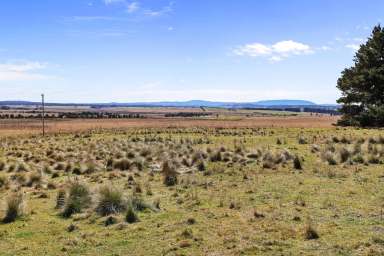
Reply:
x=194, y=191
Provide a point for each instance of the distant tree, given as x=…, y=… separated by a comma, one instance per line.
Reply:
x=362, y=85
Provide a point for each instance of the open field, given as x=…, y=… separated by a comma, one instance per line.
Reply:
x=33, y=126
x=190, y=190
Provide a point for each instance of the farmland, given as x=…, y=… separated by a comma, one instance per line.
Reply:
x=27, y=120
x=270, y=185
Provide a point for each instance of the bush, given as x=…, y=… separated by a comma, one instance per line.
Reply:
x=78, y=199
x=14, y=207
x=110, y=201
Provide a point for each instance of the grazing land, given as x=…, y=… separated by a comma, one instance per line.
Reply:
x=71, y=119
x=171, y=186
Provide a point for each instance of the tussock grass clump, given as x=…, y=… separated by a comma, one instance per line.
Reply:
x=122, y=165
x=91, y=167
x=60, y=198
x=297, y=163
x=216, y=156
x=13, y=207
x=110, y=201
x=268, y=160
x=374, y=159
x=169, y=173
x=201, y=166
x=315, y=148
x=22, y=167
x=329, y=157
x=344, y=155
x=310, y=232
x=34, y=178
x=2, y=165
x=130, y=215
x=78, y=198
x=359, y=158
x=302, y=140
x=3, y=181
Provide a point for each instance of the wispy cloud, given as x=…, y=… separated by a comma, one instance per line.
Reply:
x=163, y=11
x=107, y=2
x=22, y=71
x=134, y=7
x=354, y=47
x=99, y=33
x=93, y=18
x=275, y=52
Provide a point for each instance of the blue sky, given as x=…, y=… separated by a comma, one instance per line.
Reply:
x=152, y=50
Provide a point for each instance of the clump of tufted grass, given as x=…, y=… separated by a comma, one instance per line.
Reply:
x=302, y=140
x=110, y=201
x=297, y=163
x=14, y=204
x=79, y=197
x=3, y=181
x=34, y=178
x=130, y=215
x=344, y=154
x=329, y=157
x=122, y=164
x=2, y=165
x=310, y=232
x=169, y=173
x=60, y=198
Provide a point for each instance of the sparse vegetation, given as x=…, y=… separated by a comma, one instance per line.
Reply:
x=180, y=183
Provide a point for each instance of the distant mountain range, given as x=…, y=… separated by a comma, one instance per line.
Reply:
x=191, y=103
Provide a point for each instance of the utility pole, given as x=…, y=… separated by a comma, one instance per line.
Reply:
x=43, y=114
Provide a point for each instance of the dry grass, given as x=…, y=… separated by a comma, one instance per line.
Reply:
x=14, y=127
x=252, y=196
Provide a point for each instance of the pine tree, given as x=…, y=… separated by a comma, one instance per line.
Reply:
x=362, y=85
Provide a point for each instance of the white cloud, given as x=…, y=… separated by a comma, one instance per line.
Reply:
x=291, y=47
x=22, y=71
x=163, y=11
x=325, y=48
x=253, y=50
x=133, y=7
x=113, y=1
x=276, y=52
x=275, y=59
x=354, y=47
